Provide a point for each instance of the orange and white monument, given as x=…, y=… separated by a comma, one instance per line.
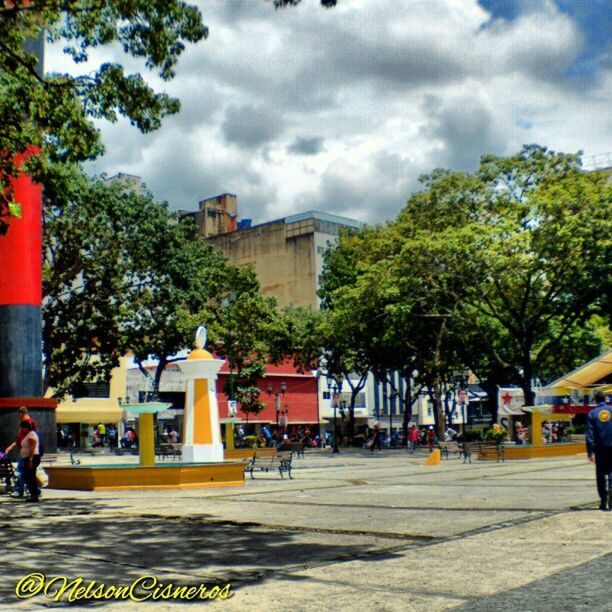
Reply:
x=202, y=433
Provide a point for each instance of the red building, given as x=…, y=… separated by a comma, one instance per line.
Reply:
x=296, y=406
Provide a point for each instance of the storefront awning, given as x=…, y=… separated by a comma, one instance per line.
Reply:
x=90, y=416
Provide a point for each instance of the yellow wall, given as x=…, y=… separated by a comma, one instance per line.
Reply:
x=93, y=410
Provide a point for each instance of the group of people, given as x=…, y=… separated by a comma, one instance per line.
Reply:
x=171, y=436
x=28, y=445
x=423, y=436
x=553, y=432
x=271, y=438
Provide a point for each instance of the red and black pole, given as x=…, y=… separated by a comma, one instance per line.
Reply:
x=20, y=309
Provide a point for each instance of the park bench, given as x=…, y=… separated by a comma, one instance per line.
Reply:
x=7, y=475
x=268, y=459
x=169, y=450
x=446, y=448
x=489, y=450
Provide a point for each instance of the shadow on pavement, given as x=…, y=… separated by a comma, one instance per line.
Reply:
x=71, y=538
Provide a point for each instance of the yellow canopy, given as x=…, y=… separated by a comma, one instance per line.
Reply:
x=587, y=375
x=91, y=416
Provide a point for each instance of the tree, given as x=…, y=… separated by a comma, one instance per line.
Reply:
x=519, y=255
x=55, y=112
x=349, y=328
x=544, y=259
x=495, y=270
x=120, y=272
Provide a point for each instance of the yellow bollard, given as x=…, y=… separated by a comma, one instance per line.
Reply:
x=229, y=436
x=146, y=440
x=435, y=458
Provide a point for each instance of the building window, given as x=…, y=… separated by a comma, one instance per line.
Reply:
x=326, y=395
x=93, y=390
x=320, y=250
x=429, y=410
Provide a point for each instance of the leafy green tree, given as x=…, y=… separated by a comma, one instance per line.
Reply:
x=56, y=112
x=120, y=273
x=498, y=270
x=543, y=261
x=519, y=259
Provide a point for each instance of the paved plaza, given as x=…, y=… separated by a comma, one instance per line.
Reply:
x=350, y=531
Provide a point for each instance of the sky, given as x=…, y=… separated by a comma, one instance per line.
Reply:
x=341, y=110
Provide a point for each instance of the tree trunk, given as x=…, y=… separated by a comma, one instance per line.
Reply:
x=439, y=411
x=407, y=411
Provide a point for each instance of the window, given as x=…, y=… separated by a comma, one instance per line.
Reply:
x=93, y=390
x=429, y=410
x=320, y=250
x=326, y=395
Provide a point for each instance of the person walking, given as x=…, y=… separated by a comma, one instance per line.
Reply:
x=599, y=448
x=413, y=435
x=431, y=438
x=21, y=434
x=31, y=457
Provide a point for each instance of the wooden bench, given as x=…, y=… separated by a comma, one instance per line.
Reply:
x=7, y=475
x=446, y=448
x=489, y=450
x=169, y=450
x=268, y=459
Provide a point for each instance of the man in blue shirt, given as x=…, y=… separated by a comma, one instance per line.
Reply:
x=599, y=447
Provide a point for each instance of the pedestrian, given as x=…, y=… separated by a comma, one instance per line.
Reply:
x=373, y=441
x=173, y=436
x=413, y=435
x=102, y=434
x=31, y=457
x=599, y=448
x=267, y=434
x=21, y=434
x=450, y=434
x=431, y=438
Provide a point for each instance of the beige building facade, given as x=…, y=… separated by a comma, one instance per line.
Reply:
x=286, y=254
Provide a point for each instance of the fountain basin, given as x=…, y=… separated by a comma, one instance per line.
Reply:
x=130, y=476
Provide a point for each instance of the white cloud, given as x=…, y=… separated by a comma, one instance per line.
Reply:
x=341, y=110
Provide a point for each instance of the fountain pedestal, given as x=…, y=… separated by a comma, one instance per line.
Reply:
x=201, y=434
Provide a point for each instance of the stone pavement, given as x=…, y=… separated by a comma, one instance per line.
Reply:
x=382, y=532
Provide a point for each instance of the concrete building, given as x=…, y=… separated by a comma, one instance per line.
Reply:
x=286, y=254
x=216, y=215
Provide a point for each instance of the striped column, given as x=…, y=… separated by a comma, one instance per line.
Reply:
x=202, y=433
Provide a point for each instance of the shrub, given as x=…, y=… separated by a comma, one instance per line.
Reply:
x=472, y=435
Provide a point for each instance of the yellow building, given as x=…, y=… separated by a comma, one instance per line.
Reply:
x=100, y=405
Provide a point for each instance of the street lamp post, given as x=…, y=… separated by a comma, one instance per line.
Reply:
x=390, y=397
x=277, y=399
x=336, y=398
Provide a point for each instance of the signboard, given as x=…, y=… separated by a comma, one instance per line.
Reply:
x=510, y=401
x=232, y=408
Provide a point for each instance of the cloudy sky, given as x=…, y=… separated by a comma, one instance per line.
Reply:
x=342, y=110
